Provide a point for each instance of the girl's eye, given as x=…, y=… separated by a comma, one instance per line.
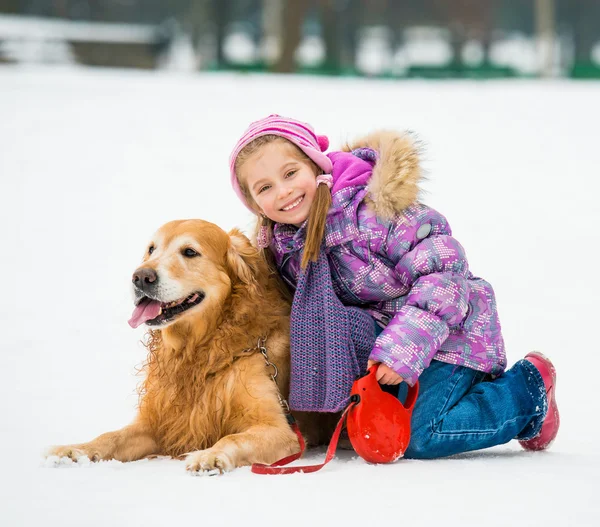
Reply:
x=262, y=189
x=151, y=249
x=290, y=173
x=189, y=253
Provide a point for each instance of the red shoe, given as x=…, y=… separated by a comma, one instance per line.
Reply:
x=552, y=420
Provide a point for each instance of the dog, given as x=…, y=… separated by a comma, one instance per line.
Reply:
x=208, y=395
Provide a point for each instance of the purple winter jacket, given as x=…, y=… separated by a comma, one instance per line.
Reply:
x=396, y=258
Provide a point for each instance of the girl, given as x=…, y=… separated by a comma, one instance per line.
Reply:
x=358, y=211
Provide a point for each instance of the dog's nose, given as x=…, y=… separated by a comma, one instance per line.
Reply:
x=143, y=276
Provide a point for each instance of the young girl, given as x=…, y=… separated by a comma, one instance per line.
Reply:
x=395, y=258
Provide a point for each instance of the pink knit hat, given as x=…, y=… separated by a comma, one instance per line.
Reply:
x=299, y=133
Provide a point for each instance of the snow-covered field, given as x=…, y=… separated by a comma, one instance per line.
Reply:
x=93, y=161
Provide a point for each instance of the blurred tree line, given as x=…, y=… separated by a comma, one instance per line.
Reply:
x=339, y=22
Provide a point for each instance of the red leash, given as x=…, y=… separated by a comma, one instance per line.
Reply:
x=378, y=429
x=277, y=468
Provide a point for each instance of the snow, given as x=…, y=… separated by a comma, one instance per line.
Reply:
x=30, y=27
x=92, y=161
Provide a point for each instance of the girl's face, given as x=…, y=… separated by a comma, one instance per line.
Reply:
x=282, y=183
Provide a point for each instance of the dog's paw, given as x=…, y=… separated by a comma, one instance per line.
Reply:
x=208, y=462
x=68, y=454
x=64, y=461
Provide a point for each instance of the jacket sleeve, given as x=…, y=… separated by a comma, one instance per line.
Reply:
x=435, y=272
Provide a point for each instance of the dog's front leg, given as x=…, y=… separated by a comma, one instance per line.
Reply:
x=127, y=444
x=259, y=444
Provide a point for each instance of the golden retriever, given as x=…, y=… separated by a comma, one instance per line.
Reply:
x=208, y=298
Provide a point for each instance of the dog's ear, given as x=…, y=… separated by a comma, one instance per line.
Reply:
x=242, y=257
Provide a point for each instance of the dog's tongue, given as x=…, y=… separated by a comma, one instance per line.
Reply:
x=147, y=309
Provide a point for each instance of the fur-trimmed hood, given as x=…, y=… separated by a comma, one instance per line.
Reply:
x=394, y=184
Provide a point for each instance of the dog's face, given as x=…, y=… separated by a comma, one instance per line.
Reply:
x=187, y=269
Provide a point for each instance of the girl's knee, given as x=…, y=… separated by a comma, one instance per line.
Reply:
x=422, y=444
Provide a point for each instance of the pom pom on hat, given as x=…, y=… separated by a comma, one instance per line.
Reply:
x=323, y=142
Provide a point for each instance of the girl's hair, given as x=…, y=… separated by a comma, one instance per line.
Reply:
x=318, y=211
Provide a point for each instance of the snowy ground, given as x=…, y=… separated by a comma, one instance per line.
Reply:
x=93, y=161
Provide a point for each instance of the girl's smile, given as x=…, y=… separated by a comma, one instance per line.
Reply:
x=281, y=181
x=293, y=205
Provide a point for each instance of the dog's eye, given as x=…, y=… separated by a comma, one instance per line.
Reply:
x=189, y=253
x=151, y=249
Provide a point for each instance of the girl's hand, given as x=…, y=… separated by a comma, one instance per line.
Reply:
x=385, y=374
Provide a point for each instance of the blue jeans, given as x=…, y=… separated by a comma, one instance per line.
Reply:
x=460, y=409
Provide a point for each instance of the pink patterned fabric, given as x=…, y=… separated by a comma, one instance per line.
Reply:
x=263, y=240
x=299, y=133
x=408, y=272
